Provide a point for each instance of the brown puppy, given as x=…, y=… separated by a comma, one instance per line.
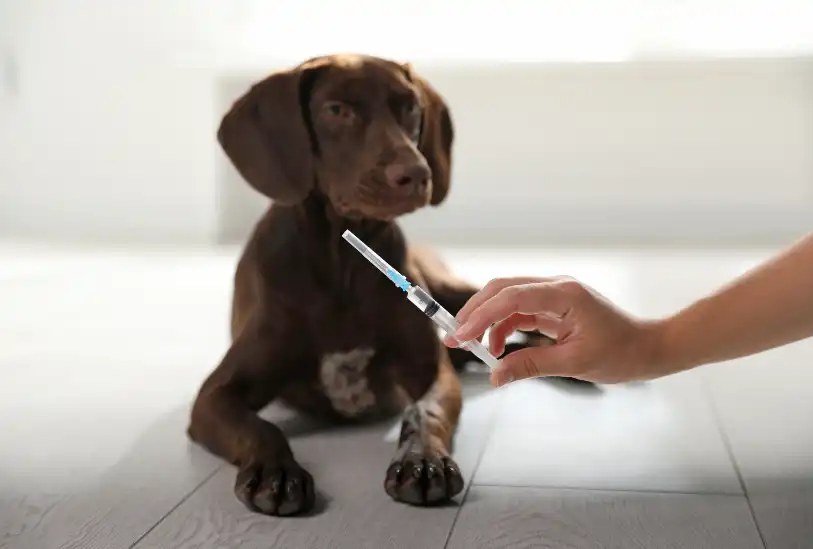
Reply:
x=340, y=142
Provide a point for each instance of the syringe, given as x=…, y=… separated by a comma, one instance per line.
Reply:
x=422, y=301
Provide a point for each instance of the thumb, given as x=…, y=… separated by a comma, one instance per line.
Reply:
x=528, y=363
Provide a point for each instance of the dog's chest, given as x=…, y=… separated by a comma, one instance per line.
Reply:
x=351, y=343
x=344, y=379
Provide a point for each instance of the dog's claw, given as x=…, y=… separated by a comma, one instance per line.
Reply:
x=423, y=478
x=275, y=489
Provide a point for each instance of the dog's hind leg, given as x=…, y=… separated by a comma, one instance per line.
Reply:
x=452, y=293
x=422, y=472
x=449, y=291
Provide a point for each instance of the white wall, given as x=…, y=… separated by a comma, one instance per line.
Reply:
x=683, y=152
x=104, y=137
x=107, y=132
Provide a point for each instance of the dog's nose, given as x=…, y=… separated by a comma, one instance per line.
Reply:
x=403, y=175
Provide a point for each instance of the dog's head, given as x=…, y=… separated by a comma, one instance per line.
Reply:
x=367, y=133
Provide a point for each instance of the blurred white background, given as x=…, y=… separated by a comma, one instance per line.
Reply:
x=616, y=122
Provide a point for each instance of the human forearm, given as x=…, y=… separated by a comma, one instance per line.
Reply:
x=769, y=306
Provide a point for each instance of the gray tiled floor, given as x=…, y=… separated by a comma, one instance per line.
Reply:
x=660, y=437
x=495, y=517
x=93, y=406
x=767, y=417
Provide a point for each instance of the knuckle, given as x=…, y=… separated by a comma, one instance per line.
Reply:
x=513, y=292
x=573, y=287
x=492, y=284
x=531, y=289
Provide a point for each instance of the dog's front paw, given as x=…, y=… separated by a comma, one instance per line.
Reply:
x=274, y=488
x=423, y=477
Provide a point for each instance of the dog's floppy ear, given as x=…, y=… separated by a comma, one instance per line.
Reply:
x=266, y=137
x=437, y=136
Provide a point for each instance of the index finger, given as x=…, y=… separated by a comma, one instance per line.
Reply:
x=488, y=291
x=525, y=299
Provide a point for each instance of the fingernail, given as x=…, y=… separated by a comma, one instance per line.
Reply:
x=463, y=331
x=506, y=380
x=500, y=381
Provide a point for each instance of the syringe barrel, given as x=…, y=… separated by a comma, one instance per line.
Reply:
x=422, y=300
x=450, y=325
x=445, y=320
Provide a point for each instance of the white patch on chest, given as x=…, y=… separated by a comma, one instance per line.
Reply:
x=344, y=380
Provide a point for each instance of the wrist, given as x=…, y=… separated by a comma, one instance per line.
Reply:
x=666, y=348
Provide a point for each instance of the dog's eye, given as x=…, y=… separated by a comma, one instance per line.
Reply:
x=339, y=110
x=412, y=119
x=412, y=109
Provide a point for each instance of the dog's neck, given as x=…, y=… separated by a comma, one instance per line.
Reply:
x=318, y=217
x=321, y=223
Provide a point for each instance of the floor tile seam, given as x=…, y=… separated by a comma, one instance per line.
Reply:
x=492, y=423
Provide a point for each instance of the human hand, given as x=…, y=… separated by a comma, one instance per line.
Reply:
x=595, y=340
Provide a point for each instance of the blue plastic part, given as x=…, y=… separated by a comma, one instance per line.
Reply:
x=398, y=279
